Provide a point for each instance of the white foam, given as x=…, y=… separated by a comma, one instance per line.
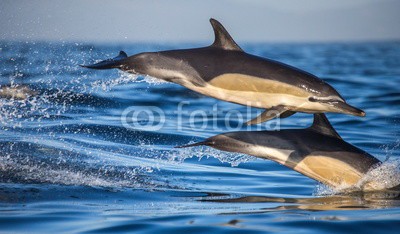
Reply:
x=383, y=176
x=33, y=171
x=36, y=106
x=124, y=78
x=234, y=159
x=107, y=85
x=153, y=80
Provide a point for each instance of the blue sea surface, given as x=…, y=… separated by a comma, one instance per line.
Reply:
x=92, y=151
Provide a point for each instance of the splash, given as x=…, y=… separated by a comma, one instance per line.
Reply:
x=124, y=78
x=167, y=156
x=83, y=166
x=153, y=80
x=389, y=149
x=62, y=171
x=33, y=107
x=234, y=159
x=20, y=103
x=383, y=176
x=107, y=85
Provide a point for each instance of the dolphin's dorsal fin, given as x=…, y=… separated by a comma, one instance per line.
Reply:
x=222, y=38
x=322, y=125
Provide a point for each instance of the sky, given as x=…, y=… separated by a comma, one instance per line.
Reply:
x=165, y=21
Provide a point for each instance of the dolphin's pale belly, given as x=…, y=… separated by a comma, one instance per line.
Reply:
x=241, y=82
x=330, y=170
x=257, y=92
x=327, y=169
x=337, y=169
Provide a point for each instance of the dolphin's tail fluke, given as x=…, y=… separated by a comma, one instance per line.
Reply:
x=109, y=63
x=194, y=144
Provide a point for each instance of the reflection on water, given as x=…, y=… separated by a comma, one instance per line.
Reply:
x=353, y=201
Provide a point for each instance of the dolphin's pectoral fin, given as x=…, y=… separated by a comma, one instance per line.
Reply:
x=286, y=114
x=278, y=111
x=194, y=80
x=261, y=118
x=197, y=81
x=108, y=63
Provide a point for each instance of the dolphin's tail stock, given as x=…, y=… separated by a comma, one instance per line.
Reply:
x=109, y=63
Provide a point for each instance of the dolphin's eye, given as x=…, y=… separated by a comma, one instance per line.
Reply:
x=312, y=99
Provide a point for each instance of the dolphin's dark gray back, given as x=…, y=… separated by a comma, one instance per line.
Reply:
x=211, y=62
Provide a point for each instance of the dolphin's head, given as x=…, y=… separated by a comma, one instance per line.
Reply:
x=333, y=101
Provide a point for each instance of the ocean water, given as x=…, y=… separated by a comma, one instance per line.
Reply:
x=93, y=151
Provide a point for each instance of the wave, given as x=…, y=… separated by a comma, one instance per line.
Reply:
x=67, y=162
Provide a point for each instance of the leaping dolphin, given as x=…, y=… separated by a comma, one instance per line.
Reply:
x=317, y=152
x=224, y=71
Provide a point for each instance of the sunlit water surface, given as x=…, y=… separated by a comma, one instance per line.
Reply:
x=75, y=158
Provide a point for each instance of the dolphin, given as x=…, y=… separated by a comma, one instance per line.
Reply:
x=317, y=152
x=224, y=71
x=16, y=92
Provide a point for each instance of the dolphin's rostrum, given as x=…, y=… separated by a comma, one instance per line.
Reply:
x=317, y=152
x=224, y=71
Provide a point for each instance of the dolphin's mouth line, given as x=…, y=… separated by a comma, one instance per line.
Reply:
x=339, y=104
x=328, y=99
x=346, y=108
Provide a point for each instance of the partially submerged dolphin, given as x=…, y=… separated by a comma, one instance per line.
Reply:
x=224, y=71
x=317, y=152
x=16, y=92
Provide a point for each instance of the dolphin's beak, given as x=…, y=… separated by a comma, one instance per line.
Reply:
x=343, y=107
